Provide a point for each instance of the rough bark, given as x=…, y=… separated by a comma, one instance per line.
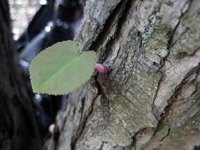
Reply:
x=18, y=130
x=151, y=97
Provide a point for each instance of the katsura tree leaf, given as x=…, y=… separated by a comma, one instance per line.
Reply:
x=59, y=69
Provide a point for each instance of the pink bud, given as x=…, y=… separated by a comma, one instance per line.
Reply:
x=101, y=69
x=52, y=128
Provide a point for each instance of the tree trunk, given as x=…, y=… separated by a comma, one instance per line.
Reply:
x=18, y=130
x=151, y=97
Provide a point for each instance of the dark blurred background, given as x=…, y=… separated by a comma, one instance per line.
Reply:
x=36, y=25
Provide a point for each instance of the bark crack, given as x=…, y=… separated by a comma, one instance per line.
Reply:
x=171, y=35
x=106, y=28
x=168, y=132
x=176, y=92
x=169, y=47
x=82, y=126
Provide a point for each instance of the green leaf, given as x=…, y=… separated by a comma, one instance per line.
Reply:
x=59, y=69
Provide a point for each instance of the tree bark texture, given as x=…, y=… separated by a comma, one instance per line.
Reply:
x=151, y=97
x=18, y=129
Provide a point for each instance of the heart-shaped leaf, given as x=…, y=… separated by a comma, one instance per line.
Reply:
x=59, y=69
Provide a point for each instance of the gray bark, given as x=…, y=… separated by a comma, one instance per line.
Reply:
x=151, y=97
